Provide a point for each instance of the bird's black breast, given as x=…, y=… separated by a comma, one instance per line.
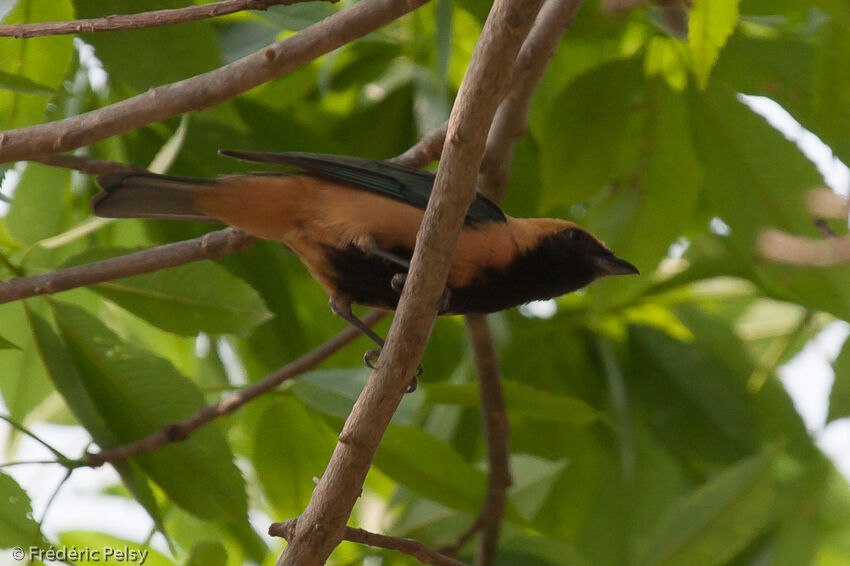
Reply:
x=546, y=271
x=365, y=278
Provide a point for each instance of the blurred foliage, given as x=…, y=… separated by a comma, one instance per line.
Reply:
x=652, y=431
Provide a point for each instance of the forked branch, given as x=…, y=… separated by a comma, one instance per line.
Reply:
x=322, y=525
x=407, y=546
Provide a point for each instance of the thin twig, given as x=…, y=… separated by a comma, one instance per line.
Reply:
x=53, y=495
x=824, y=228
x=511, y=120
x=209, y=246
x=799, y=250
x=426, y=151
x=87, y=165
x=496, y=429
x=453, y=548
x=180, y=431
x=205, y=90
x=24, y=430
x=407, y=546
x=156, y=18
x=322, y=524
x=28, y=463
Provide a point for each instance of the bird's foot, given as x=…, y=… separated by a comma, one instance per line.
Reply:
x=399, y=279
x=371, y=356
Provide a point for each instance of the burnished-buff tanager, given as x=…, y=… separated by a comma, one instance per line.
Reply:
x=353, y=223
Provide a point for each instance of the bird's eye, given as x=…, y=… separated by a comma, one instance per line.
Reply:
x=575, y=234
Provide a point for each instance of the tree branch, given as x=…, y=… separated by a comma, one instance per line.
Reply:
x=799, y=250
x=426, y=151
x=322, y=525
x=208, y=89
x=180, y=431
x=156, y=18
x=407, y=546
x=209, y=246
x=512, y=118
x=496, y=429
x=508, y=126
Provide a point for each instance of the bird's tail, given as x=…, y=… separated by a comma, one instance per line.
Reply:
x=148, y=195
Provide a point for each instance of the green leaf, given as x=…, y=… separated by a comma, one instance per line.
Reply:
x=297, y=16
x=642, y=217
x=723, y=393
x=711, y=24
x=333, y=392
x=696, y=404
x=521, y=400
x=169, y=151
x=430, y=467
x=17, y=527
x=137, y=394
x=7, y=345
x=105, y=548
x=68, y=383
x=839, y=399
x=534, y=549
x=831, y=91
x=271, y=270
x=65, y=378
x=534, y=479
x=758, y=180
x=34, y=62
x=712, y=524
x=37, y=210
x=291, y=447
x=207, y=554
x=19, y=83
x=192, y=298
x=145, y=58
x=797, y=539
x=757, y=176
x=808, y=79
x=242, y=544
x=23, y=381
x=578, y=161
x=6, y=239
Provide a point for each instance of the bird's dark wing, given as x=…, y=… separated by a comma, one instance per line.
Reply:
x=396, y=181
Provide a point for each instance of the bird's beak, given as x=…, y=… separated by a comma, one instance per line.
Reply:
x=612, y=265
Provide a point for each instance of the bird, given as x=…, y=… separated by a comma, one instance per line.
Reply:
x=353, y=222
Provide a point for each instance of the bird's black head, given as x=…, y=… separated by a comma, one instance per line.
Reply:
x=605, y=263
x=571, y=258
x=556, y=257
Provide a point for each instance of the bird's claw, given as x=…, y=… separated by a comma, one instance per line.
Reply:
x=399, y=279
x=371, y=356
